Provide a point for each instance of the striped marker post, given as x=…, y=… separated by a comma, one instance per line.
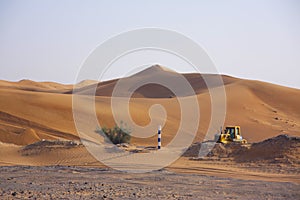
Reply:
x=159, y=137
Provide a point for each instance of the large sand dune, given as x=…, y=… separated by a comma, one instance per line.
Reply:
x=152, y=90
x=263, y=110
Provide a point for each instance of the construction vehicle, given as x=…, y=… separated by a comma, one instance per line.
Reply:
x=231, y=134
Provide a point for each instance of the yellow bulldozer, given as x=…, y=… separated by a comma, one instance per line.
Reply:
x=231, y=134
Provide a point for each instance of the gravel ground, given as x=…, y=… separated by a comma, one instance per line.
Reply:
x=63, y=182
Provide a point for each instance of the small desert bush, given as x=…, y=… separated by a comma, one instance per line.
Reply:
x=116, y=135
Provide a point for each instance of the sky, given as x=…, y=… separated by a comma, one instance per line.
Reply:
x=50, y=40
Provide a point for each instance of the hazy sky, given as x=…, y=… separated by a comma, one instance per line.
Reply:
x=49, y=40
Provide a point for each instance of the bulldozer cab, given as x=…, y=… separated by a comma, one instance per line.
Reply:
x=233, y=131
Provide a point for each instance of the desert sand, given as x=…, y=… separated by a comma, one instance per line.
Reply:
x=38, y=136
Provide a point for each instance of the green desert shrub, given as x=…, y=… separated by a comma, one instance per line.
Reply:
x=116, y=135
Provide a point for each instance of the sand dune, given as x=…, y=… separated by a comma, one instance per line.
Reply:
x=263, y=110
x=29, y=85
x=151, y=90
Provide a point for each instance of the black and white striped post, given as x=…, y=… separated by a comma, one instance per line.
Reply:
x=159, y=137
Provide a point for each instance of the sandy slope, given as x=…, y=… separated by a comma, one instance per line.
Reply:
x=263, y=110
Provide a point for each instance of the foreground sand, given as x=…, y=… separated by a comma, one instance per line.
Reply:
x=63, y=182
x=65, y=170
